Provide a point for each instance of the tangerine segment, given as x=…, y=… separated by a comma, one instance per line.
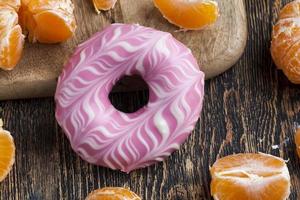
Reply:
x=8, y=19
x=113, y=193
x=189, y=14
x=7, y=153
x=297, y=141
x=48, y=21
x=47, y=34
x=11, y=38
x=104, y=4
x=11, y=48
x=250, y=176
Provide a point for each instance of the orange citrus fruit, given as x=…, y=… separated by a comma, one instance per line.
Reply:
x=112, y=193
x=7, y=152
x=104, y=4
x=189, y=14
x=47, y=21
x=285, y=45
x=297, y=141
x=11, y=37
x=250, y=176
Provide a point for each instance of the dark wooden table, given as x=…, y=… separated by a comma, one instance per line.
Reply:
x=248, y=109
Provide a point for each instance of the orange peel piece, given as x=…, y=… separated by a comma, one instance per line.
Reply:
x=250, y=176
x=297, y=141
x=113, y=193
x=189, y=14
x=104, y=4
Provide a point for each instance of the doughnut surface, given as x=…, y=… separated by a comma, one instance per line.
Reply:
x=104, y=136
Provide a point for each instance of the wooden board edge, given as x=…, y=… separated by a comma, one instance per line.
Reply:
x=229, y=57
x=30, y=89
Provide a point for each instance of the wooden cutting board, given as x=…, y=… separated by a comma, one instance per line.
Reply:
x=217, y=48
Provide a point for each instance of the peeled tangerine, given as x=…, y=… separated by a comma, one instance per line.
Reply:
x=112, y=193
x=285, y=46
x=11, y=37
x=104, y=4
x=250, y=176
x=189, y=14
x=297, y=141
x=47, y=21
x=7, y=152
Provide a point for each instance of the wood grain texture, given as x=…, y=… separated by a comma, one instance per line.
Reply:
x=247, y=109
x=216, y=48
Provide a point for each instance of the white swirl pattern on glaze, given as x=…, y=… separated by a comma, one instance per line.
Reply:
x=102, y=135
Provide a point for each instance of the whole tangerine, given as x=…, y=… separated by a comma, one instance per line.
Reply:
x=285, y=45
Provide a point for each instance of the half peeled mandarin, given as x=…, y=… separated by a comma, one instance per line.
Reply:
x=250, y=176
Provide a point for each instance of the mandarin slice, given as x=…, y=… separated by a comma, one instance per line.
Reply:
x=47, y=21
x=8, y=19
x=285, y=45
x=250, y=176
x=189, y=14
x=297, y=141
x=104, y=4
x=11, y=38
x=11, y=48
x=113, y=193
x=7, y=152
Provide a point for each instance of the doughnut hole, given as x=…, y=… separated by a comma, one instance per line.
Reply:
x=129, y=94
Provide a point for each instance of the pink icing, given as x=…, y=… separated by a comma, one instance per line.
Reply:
x=101, y=134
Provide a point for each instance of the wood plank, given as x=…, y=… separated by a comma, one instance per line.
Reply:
x=216, y=49
x=247, y=109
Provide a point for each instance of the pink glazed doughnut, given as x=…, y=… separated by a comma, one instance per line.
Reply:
x=104, y=136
